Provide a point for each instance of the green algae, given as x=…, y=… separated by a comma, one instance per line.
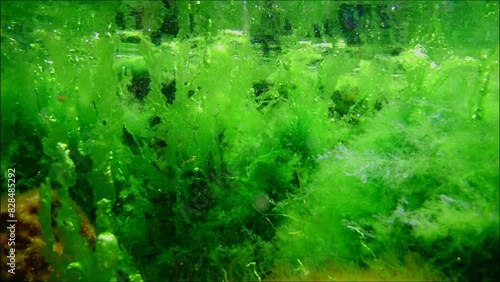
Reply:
x=200, y=152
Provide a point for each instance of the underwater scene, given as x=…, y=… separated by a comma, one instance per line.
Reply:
x=183, y=140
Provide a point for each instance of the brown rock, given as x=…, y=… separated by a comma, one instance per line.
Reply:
x=30, y=264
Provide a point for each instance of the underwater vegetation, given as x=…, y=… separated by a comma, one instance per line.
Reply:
x=244, y=141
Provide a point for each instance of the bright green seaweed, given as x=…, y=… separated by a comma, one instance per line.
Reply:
x=227, y=155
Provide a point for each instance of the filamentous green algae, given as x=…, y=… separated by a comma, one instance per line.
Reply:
x=250, y=140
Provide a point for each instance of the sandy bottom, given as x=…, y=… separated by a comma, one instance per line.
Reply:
x=413, y=268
